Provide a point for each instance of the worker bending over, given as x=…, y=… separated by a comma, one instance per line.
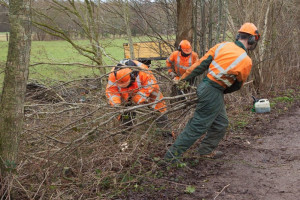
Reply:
x=130, y=82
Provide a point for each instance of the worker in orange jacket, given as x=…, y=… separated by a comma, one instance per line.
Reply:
x=228, y=67
x=179, y=61
x=127, y=85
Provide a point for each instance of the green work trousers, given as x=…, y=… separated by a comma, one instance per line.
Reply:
x=210, y=117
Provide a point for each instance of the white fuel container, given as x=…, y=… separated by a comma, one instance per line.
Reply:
x=262, y=106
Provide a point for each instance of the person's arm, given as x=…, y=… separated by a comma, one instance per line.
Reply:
x=200, y=65
x=148, y=83
x=241, y=73
x=112, y=93
x=170, y=62
x=198, y=68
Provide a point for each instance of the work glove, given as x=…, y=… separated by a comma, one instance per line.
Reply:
x=183, y=85
x=172, y=74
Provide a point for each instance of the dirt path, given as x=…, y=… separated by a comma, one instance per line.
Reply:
x=267, y=168
x=263, y=163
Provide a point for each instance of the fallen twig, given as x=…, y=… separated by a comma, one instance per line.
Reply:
x=221, y=191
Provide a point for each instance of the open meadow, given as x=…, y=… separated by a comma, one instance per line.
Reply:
x=3, y=36
x=62, y=52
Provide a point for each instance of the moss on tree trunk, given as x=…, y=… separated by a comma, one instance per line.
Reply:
x=14, y=85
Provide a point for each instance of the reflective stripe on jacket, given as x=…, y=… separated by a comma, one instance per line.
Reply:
x=230, y=62
x=143, y=90
x=179, y=63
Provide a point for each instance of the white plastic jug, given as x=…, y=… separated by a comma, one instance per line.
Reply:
x=262, y=106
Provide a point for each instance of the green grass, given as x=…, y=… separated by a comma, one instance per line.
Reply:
x=63, y=52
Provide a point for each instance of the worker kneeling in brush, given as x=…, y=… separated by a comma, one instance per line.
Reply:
x=228, y=67
x=130, y=82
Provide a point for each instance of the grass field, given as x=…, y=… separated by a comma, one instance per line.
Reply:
x=62, y=52
x=3, y=36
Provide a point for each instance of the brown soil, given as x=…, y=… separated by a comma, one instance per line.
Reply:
x=262, y=162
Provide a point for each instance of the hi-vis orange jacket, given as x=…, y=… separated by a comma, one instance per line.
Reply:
x=226, y=62
x=179, y=63
x=144, y=89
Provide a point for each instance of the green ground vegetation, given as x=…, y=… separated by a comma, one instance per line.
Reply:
x=63, y=52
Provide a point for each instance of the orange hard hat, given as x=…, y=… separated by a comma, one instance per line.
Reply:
x=123, y=77
x=251, y=29
x=185, y=46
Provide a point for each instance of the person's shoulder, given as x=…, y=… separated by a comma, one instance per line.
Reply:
x=175, y=52
x=173, y=55
x=225, y=43
x=221, y=44
x=111, y=75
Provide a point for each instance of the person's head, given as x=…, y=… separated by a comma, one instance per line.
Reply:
x=124, y=76
x=185, y=48
x=248, y=35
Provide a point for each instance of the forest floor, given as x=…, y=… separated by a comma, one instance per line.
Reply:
x=261, y=162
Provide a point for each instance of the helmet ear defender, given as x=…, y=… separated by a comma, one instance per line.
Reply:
x=252, y=39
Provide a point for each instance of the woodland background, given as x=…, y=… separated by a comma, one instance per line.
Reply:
x=59, y=138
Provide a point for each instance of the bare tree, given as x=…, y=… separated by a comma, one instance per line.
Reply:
x=14, y=87
x=203, y=29
x=224, y=22
x=128, y=30
x=184, y=21
x=195, y=26
x=86, y=16
x=210, y=24
x=220, y=14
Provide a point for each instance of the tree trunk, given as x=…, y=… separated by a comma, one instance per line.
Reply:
x=224, y=23
x=128, y=30
x=210, y=24
x=195, y=26
x=184, y=21
x=14, y=85
x=219, y=21
x=203, y=30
